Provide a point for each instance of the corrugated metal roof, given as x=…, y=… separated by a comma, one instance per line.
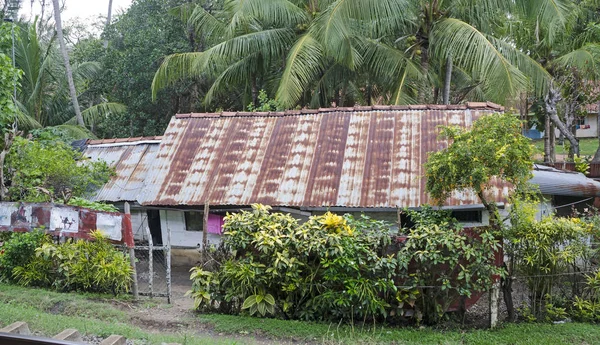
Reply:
x=132, y=158
x=347, y=157
x=559, y=182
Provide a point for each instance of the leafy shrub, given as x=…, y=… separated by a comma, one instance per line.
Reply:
x=442, y=263
x=51, y=171
x=93, y=266
x=337, y=268
x=19, y=250
x=92, y=205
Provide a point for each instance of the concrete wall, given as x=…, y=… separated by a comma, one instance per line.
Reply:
x=175, y=220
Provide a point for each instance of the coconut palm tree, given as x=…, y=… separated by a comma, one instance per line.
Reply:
x=65, y=55
x=402, y=48
x=43, y=99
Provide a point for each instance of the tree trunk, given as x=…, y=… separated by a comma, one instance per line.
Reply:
x=447, y=81
x=425, y=70
x=547, y=133
x=596, y=158
x=552, y=143
x=550, y=103
x=108, y=18
x=65, y=54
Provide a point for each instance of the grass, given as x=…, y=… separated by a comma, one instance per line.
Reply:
x=49, y=312
x=587, y=147
x=524, y=333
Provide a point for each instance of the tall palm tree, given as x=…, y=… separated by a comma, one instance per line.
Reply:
x=43, y=99
x=68, y=71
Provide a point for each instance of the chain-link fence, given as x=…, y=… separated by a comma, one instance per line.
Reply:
x=153, y=266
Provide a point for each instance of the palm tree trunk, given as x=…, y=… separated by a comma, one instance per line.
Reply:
x=65, y=54
x=108, y=17
x=550, y=101
x=547, y=133
x=447, y=80
x=596, y=158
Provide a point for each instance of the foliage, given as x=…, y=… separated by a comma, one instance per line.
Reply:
x=443, y=264
x=264, y=103
x=329, y=268
x=92, y=205
x=80, y=265
x=10, y=78
x=492, y=148
x=48, y=171
x=582, y=164
x=337, y=268
x=138, y=39
x=19, y=250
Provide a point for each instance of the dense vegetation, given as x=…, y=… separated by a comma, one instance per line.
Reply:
x=32, y=259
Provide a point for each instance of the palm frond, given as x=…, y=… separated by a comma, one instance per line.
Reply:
x=585, y=59
x=471, y=50
x=387, y=62
x=554, y=16
x=240, y=71
x=537, y=74
x=273, y=13
x=303, y=64
x=75, y=132
x=177, y=67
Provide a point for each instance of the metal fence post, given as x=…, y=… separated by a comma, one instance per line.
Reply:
x=150, y=262
x=134, y=285
x=169, y=265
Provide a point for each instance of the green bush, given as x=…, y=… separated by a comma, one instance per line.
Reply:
x=80, y=265
x=442, y=264
x=335, y=268
x=41, y=171
x=18, y=250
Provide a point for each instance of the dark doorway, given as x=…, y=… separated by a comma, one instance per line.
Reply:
x=154, y=225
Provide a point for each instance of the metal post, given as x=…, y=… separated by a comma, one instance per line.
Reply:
x=134, y=281
x=205, y=226
x=169, y=265
x=150, y=262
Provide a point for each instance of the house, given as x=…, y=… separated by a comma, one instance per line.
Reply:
x=348, y=160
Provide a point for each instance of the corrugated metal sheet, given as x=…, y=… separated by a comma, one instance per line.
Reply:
x=559, y=182
x=347, y=157
x=132, y=158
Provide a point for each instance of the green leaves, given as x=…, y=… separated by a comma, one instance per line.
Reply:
x=262, y=303
x=492, y=149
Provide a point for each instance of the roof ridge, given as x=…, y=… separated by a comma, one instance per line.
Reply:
x=468, y=105
x=121, y=140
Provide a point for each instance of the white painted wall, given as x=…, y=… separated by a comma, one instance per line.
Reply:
x=175, y=220
x=592, y=132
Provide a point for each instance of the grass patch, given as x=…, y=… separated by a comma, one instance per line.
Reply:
x=587, y=147
x=49, y=312
x=542, y=334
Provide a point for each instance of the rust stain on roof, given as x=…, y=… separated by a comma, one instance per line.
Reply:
x=346, y=157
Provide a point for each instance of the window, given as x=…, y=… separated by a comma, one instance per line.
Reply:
x=467, y=216
x=193, y=221
x=580, y=121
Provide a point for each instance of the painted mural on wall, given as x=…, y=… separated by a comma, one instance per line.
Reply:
x=65, y=221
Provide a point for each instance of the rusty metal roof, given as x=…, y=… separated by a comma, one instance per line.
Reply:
x=346, y=157
x=132, y=158
x=552, y=181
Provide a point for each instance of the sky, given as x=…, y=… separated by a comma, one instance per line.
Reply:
x=84, y=9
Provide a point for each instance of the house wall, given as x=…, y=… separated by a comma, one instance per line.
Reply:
x=592, y=132
x=175, y=220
